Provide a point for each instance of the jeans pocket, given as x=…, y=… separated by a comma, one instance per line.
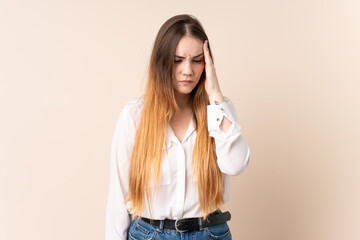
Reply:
x=219, y=231
x=140, y=230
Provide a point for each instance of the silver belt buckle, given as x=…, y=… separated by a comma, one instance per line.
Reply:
x=176, y=226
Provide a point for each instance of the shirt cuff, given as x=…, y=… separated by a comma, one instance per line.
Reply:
x=215, y=115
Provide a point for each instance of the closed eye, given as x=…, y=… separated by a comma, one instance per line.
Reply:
x=197, y=61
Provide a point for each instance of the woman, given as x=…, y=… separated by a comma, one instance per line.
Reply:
x=174, y=148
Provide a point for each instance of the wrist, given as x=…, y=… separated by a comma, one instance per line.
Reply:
x=216, y=98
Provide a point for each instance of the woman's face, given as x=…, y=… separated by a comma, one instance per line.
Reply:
x=188, y=64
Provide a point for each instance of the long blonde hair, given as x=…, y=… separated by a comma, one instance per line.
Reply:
x=159, y=108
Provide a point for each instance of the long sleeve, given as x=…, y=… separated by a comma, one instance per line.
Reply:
x=117, y=217
x=233, y=154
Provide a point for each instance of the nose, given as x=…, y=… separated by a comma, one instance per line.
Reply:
x=187, y=68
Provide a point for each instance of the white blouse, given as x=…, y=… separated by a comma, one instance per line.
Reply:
x=176, y=196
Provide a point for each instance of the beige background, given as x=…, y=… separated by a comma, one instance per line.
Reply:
x=291, y=68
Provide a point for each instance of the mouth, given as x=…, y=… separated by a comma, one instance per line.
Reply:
x=186, y=82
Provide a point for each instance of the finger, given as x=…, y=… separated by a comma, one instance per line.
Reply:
x=207, y=53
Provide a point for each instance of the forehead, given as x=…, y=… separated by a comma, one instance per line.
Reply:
x=189, y=46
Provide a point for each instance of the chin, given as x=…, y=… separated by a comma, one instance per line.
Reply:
x=184, y=91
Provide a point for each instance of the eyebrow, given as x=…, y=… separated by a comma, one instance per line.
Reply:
x=193, y=57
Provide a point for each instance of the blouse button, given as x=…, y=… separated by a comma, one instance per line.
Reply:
x=217, y=119
x=222, y=109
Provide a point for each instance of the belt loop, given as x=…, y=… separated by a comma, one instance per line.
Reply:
x=200, y=223
x=161, y=225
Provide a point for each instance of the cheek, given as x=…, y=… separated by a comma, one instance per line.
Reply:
x=200, y=69
x=174, y=71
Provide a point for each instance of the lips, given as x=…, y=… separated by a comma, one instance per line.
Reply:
x=186, y=82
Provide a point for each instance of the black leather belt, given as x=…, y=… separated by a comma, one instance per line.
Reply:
x=192, y=224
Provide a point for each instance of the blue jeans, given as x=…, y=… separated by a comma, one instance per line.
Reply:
x=143, y=230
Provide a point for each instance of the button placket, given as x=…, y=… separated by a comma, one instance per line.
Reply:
x=180, y=181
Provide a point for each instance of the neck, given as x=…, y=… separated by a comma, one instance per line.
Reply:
x=183, y=100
